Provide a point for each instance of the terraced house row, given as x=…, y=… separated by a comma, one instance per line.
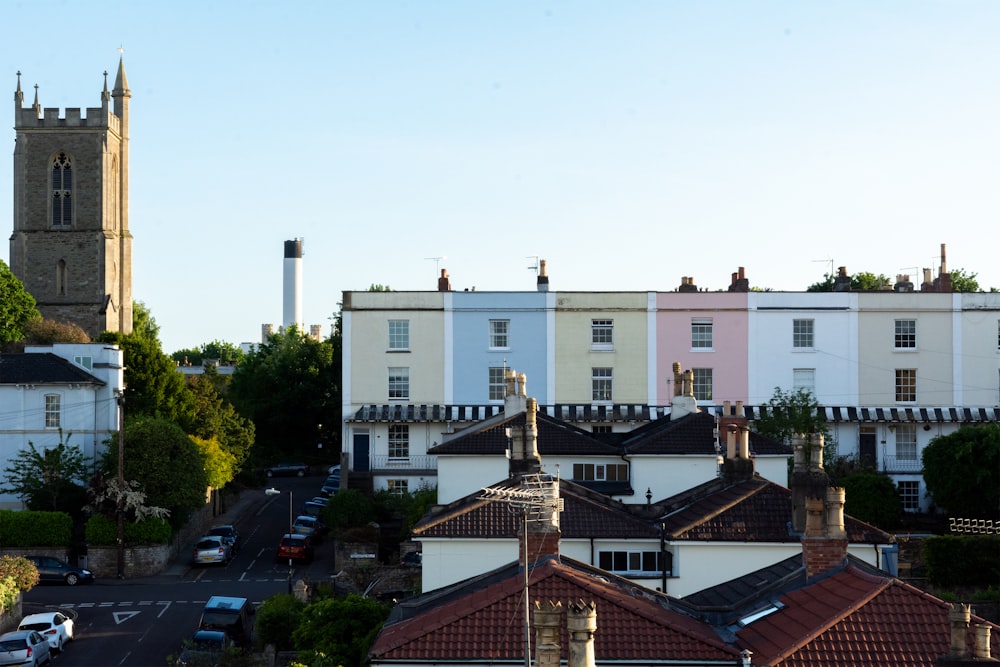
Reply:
x=892, y=369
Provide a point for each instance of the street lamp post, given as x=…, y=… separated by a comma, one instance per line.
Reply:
x=120, y=398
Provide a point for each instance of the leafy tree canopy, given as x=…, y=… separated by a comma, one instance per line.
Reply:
x=860, y=282
x=964, y=281
x=962, y=471
x=790, y=413
x=53, y=479
x=167, y=464
x=220, y=465
x=225, y=354
x=215, y=418
x=17, y=307
x=40, y=331
x=873, y=498
x=153, y=387
x=289, y=388
x=339, y=631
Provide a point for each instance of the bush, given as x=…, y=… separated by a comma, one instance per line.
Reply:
x=35, y=529
x=872, y=497
x=19, y=570
x=277, y=618
x=102, y=531
x=8, y=594
x=348, y=509
x=967, y=560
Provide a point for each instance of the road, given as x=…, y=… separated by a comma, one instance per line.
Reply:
x=139, y=623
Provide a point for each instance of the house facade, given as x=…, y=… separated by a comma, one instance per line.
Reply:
x=891, y=369
x=64, y=392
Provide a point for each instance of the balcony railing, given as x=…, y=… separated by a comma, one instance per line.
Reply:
x=410, y=465
x=896, y=463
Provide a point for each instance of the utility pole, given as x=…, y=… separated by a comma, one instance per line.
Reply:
x=120, y=398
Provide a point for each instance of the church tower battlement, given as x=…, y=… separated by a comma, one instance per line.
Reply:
x=71, y=245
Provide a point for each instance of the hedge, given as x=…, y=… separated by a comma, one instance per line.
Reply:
x=26, y=528
x=102, y=531
x=966, y=560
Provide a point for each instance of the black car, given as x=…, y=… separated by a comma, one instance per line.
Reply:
x=53, y=570
x=287, y=469
x=228, y=534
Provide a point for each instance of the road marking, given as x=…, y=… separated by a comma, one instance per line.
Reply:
x=166, y=606
x=122, y=616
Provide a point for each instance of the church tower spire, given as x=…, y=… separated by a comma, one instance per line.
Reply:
x=71, y=245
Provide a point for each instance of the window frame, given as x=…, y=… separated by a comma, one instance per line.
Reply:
x=798, y=374
x=909, y=441
x=398, y=442
x=499, y=340
x=602, y=384
x=397, y=487
x=906, y=385
x=702, y=334
x=602, y=334
x=909, y=496
x=800, y=336
x=53, y=410
x=600, y=472
x=697, y=382
x=905, y=335
x=399, y=383
x=398, y=339
x=497, y=383
x=649, y=562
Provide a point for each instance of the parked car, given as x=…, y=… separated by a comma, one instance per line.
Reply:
x=53, y=570
x=55, y=626
x=322, y=500
x=312, y=508
x=212, y=549
x=233, y=616
x=308, y=525
x=411, y=559
x=329, y=488
x=333, y=470
x=295, y=547
x=288, y=469
x=229, y=535
x=24, y=647
x=206, y=647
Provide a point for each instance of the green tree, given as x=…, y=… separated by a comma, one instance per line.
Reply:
x=213, y=417
x=288, y=387
x=153, y=387
x=964, y=281
x=339, y=631
x=166, y=463
x=962, y=471
x=860, y=282
x=277, y=618
x=53, y=479
x=17, y=307
x=790, y=413
x=872, y=497
x=220, y=465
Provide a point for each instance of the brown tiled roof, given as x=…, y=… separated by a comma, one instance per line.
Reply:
x=691, y=434
x=852, y=619
x=555, y=437
x=752, y=510
x=586, y=514
x=486, y=622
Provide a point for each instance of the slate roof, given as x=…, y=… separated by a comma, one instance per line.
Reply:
x=555, y=438
x=482, y=619
x=42, y=368
x=691, y=434
x=586, y=514
x=751, y=510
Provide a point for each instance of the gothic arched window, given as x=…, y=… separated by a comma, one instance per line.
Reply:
x=62, y=191
x=61, y=277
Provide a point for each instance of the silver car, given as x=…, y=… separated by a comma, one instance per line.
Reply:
x=212, y=549
x=24, y=647
x=55, y=626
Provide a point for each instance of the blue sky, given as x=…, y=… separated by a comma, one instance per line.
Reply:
x=627, y=143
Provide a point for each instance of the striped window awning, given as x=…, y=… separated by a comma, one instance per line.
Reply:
x=892, y=415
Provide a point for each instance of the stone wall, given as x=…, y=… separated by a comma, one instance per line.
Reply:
x=140, y=561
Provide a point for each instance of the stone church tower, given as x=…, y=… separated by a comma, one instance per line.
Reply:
x=71, y=245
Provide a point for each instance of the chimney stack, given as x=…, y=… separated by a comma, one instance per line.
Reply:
x=683, y=402
x=824, y=542
x=809, y=479
x=292, y=306
x=539, y=537
x=737, y=465
x=687, y=285
x=842, y=283
x=444, y=284
x=548, y=619
x=739, y=282
x=581, y=624
x=543, y=277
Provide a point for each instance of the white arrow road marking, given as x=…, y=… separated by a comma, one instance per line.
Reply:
x=122, y=616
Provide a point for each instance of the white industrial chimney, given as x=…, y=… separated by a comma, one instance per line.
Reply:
x=292, y=294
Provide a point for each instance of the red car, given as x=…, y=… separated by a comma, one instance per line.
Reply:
x=295, y=547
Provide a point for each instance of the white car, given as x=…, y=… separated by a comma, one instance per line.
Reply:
x=54, y=626
x=24, y=647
